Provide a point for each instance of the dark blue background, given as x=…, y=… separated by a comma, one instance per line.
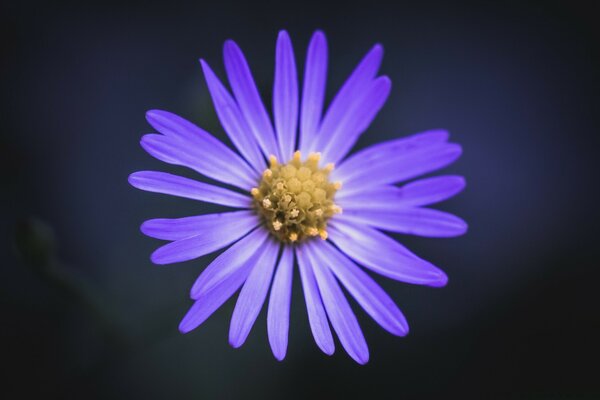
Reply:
x=516, y=83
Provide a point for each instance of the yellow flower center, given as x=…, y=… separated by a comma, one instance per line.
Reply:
x=295, y=200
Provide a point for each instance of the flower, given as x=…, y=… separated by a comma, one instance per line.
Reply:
x=296, y=205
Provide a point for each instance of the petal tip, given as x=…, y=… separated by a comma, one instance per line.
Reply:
x=236, y=343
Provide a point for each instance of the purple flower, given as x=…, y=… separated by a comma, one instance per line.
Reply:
x=296, y=204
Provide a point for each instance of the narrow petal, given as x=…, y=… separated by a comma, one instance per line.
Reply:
x=188, y=145
x=285, y=96
x=342, y=137
x=252, y=295
x=278, y=315
x=230, y=262
x=200, y=245
x=351, y=90
x=413, y=221
x=314, y=305
x=162, y=182
x=209, y=301
x=339, y=312
x=363, y=288
x=232, y=120
x=383, y=255
x=248, y=98
x=182, y=228
x=383, y=151
x=313, y=92
x=419, y=193
x=394, y=162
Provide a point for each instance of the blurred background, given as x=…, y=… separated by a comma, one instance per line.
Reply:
x=86, y=315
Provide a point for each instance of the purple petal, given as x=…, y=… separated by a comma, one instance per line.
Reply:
x=252, y=295
x=313, y=92
x=207, y=302
x=353, y=89
x=232, y=120
x=181, y=228
x=162, y=182
x=187, y=145
x=395, y=161
x=285, y=96
x=339, y=312
x=230, y=262
x=200, y=245
x=342, y=137
x=413, y=221
x=383, y=151
x=383, y=255
x=278, y=315
x=314, y=305
x=419, y=193
x=364, y=289
x=248, y=98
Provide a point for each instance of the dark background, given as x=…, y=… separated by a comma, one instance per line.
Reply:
x=86, y=315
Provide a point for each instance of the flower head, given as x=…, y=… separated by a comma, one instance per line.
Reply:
x=297, y=206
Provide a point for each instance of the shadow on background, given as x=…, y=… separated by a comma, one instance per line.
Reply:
x=85, y=313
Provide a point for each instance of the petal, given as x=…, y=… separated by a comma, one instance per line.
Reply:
x=342, y=137
x=252, y=295
x=339, y=312
x=395, y=161
x=230, y=262
x=351, y=90
x=232, y=120
x=181, y=228
x=363, y=288
x=419, y=193
x=162, y=182
x=207, y=302
x=314, y=305
x=248, y=98
x=382, y=151
x=187, y=145
x=285, y=96
x=383, y=255
x=278, y=315
x=313, y=91
x=200, y=245
x=413, y=221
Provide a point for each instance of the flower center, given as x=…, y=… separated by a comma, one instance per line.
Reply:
x=295, y=200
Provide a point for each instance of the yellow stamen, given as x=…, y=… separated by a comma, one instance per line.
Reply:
x=272, y=161
x=295, y=200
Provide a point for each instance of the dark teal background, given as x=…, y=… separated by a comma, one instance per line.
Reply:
x=516, y=83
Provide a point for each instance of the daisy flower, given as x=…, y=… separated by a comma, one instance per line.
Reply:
x=301, y=200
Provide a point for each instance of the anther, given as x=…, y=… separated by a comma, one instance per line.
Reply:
x=323, y=234
x=294, y=213
x=267, y=173
x=293, y=237
x=318, y=212
x=329, y=167
x=266, y=203
x=337, y=185
x=272, y=161
x=312, y=231
x=277, y=225
x=314, y=157
x=336, y=209
x=297, y=155
x=254, y=192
